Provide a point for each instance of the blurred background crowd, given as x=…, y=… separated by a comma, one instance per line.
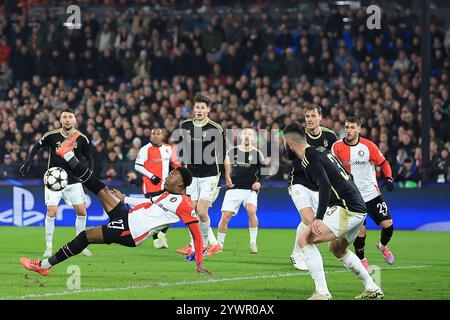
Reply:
x=136, y=65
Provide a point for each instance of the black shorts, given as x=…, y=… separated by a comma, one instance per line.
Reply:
x=117, y=230
x=378, y=210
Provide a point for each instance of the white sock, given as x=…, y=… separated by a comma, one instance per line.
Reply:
x=221, y=237
x=69, y=155
x=354, y=265
x=253, y=234
x=297, y=249
x=49, y=229
x=80, y=224
x=204, y=227
x=211, y=237
x=45, y=264
x=313, y=260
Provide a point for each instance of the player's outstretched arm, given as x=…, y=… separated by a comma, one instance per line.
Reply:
x=25, y=168
x=194, y=228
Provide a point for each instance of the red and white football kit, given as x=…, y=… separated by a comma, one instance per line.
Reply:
x=154, y=161
x=149, y=217
x=360, y=160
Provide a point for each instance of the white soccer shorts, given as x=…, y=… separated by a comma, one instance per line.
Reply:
x=204, y=188
x=304, y=197
x=73, y=194
x=343, y=223
x=235, y=197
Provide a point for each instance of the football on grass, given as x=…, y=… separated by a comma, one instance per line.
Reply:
x=55, y=178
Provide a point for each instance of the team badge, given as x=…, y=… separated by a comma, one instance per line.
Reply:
x=360, y=153
x=250, y=158
x=173, y=199
x=204, y=134
x=325, y=143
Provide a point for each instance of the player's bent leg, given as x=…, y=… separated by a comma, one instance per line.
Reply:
x=338, y=248
x=49, y=226
x=205, y=226
x=205, y=222
x=313, y=259
x=223, y=226
x=307, y=216
x=74, y=247
x=386, y=235
x=86, y=175
x=253, y=227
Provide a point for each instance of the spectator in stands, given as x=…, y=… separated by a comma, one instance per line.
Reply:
x=440, y=167
x=7, y=169
x=258, y=71
x=408, y=175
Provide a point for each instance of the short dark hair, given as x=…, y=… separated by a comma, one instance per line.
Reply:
x=202, y=98
x=186, y=175
x=69, y=110
x=311, y=107
x=353, y=120
x=296, y=130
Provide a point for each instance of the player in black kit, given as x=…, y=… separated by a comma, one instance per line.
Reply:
x=73, y=193
x=242, y=175
x=302, y=192
x=203, y=151
x=340, y=214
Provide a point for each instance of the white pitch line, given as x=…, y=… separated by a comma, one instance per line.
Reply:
x=182, y=283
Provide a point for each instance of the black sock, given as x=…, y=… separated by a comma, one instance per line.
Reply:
x=82, y=172
x=359, y=244
x=155, y=236
x=74, y=247
x=386, y=235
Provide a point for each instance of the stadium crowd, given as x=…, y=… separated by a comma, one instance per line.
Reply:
x=126, y=72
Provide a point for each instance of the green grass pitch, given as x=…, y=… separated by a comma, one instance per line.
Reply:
x=114, y=272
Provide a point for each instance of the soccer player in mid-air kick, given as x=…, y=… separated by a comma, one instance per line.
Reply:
x=340, y=214
x=360, y=156
x=126, y=227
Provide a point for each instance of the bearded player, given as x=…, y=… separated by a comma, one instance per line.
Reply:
x=360, y=156
x=302, y=191
x=126, y=227
x=340, y=214
x=73, y=193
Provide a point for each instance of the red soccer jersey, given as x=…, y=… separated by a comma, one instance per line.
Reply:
x=155, y=161
x=170, y=208
x=360, y=159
